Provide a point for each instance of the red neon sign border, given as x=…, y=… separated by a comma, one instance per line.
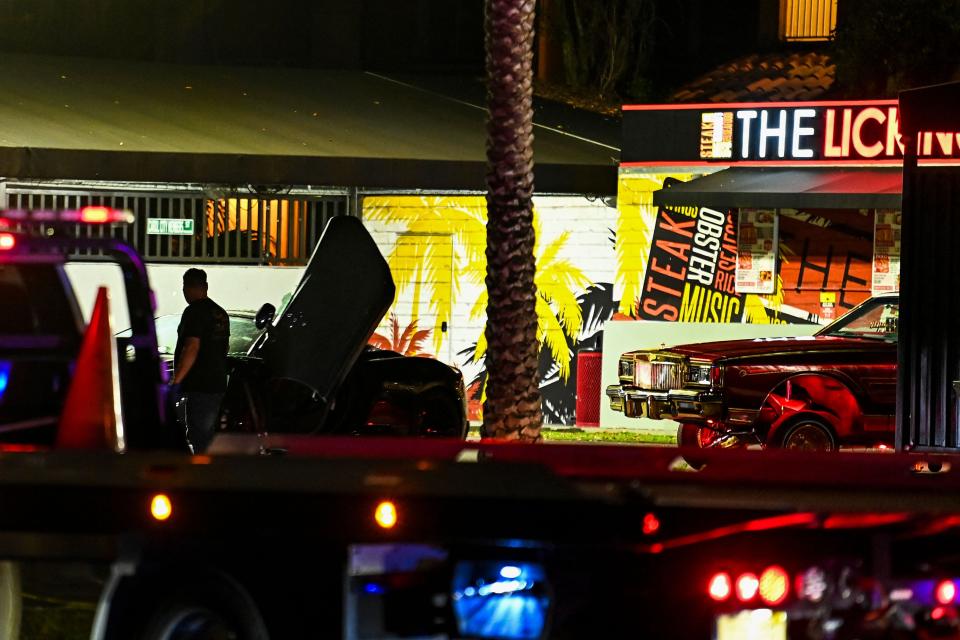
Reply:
x=726, y=106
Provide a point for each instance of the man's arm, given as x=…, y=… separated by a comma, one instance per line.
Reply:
x=191, y=347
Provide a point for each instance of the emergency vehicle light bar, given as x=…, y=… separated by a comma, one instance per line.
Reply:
x=84, y=215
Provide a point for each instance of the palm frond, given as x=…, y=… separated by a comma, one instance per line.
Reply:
x=380, y=342
x=550, y=334
x=403, y=344
x=415, y=347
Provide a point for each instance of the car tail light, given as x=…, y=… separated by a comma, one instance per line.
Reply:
x=386, y=413
x=720, y=586
x=774, y=585
x=945, y=592
x=7, y=241
x=747, y=586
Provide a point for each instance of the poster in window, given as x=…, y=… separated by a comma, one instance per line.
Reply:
x=756, y=251
x=886, y=252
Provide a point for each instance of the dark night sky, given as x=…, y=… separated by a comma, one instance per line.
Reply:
x=414, y=35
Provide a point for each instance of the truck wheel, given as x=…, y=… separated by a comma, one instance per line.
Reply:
x=10, y=601
x=211, y=609
x=809, y=434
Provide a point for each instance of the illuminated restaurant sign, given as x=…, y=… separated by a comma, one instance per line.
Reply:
x=799, y=133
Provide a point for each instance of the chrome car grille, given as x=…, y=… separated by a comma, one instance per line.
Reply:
x=659, y=376
x=665, y=376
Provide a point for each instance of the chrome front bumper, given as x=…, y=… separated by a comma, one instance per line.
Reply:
x=671, y=405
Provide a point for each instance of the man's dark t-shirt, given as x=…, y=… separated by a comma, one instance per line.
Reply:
x=205, y=319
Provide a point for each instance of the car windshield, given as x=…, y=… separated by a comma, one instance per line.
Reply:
x=243, y=332
x=876, y=318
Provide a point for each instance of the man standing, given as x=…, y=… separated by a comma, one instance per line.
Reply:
x=200, y=360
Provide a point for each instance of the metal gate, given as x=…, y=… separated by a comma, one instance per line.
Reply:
x=229, y=229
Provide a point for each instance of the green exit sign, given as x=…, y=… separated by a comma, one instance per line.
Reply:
x=169, y=227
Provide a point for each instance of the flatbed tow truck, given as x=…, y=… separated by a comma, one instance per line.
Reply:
x=109, y=529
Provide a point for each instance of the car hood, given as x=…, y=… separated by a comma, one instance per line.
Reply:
x=752, y=347
x=343, y=294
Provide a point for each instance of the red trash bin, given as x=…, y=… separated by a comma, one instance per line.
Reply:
x=588, y=388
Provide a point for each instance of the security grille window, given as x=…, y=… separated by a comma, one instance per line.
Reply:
x=188, y=227
x=807, y=20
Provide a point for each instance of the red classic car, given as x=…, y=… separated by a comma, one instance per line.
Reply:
x=835, y=388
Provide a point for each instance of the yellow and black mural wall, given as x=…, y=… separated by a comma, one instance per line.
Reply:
x=599, y=261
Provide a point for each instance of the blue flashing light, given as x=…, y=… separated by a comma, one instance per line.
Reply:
x=373, y=588
x=5, y=367
x=510, y=572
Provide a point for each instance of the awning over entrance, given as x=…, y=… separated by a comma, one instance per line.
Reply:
x=107, y=120
x=763, y=188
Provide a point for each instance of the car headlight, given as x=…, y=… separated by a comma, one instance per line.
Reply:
x=642, y=375
x=698, y=374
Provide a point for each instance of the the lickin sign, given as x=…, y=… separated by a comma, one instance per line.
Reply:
x=776, y=133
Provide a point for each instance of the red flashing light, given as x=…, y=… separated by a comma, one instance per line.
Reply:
x=85, y=215
x=7, y=241
x=774, y=585
x=938, y=613
x=651, y=524
x=945, y=592
x=747, y=586
x=720, y=586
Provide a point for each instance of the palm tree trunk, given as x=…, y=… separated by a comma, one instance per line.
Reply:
x=512, y=409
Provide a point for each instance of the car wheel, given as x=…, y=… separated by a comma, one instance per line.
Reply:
x=695, y=435
x=809, y=434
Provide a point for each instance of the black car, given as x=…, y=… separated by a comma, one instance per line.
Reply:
x=384, y=393
x=310, y=369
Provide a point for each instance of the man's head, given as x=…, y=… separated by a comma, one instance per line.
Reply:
x=194, y=285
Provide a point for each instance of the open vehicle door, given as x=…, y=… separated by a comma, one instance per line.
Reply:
x=345, y=291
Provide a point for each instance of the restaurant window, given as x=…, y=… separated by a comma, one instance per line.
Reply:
x=807, y=20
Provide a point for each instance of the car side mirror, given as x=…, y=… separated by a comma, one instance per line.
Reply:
x=264, y=315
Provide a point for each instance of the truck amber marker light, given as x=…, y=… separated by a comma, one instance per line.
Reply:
x=160, y=507
x=774, y=585
x=386, y=515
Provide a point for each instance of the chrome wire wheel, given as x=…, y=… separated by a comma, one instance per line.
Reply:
x=694, y=435
x=809, y=434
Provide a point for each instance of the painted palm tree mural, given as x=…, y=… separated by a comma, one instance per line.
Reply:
x=424, y=261
x=440, y=242
x=407, y=341
x=559, y=317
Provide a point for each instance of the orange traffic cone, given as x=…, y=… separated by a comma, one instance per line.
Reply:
x=91, y=414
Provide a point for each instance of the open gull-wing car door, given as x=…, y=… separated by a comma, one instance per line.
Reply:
x=344, y=293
